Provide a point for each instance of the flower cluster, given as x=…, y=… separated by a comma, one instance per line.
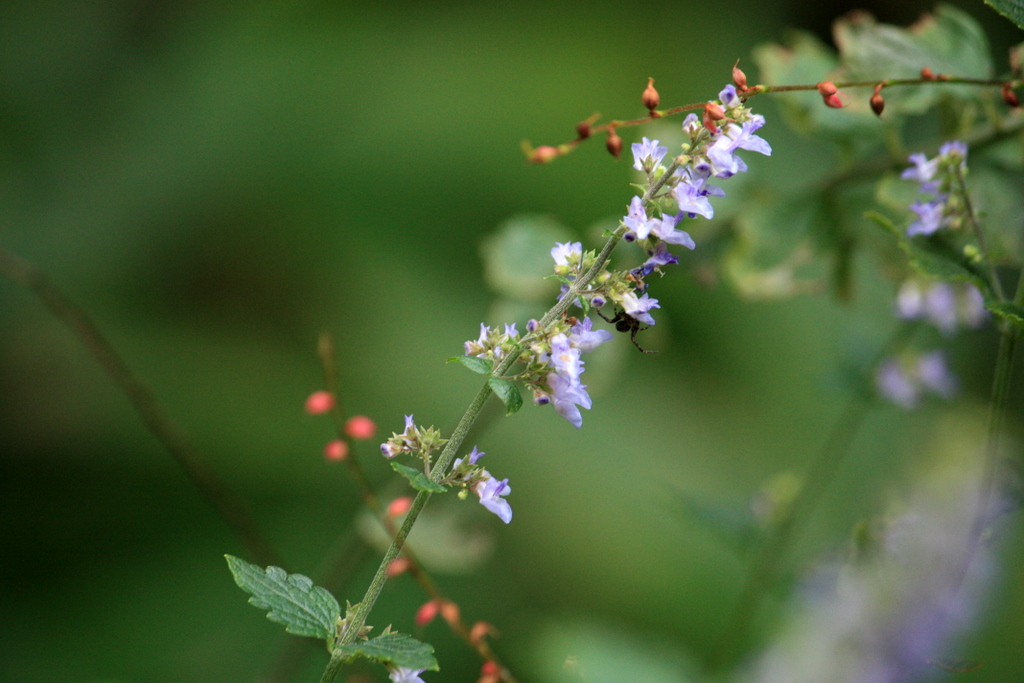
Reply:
x=944, y=305
x=653, y=220
x=550, y=358
x=905, y=380
x=471, y=477
x=415, y=440
x=938, y=179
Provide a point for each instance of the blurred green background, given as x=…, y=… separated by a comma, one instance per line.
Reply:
x=217, y=183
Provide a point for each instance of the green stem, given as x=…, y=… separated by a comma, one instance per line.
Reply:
x=978, y=234
x=358, y=617
x=770, y=556
x=1009, y=335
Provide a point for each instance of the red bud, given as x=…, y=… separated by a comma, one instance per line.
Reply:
x=543, y=154
x=827, y=88
x=928, y=75
x=450, y=612
x=583, y=129
x=480, y=630
x=319, y=402
x=1009, y=96
x=399, y=506
x=336, y=450
x=877, y=101
x=614, y=143
x=426, y=613
x=650, y=98
x=398, y=566
x=360, y=427
x=739, y=78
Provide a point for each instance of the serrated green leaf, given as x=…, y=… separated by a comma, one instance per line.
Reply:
x=479, y=365
x=508, y=393
x=935, y=258
x=948, y=42
x=397, y=649
x=1011, y=9
x=292, y=599
x=1010, y=312
x=417, y=479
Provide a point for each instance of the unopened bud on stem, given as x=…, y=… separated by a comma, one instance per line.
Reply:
x=650, y=98
x=614, y=143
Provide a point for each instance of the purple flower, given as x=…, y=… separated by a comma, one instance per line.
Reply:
x=564, y=358
x=935, y=374
x=647, y=154
x=491, y=491
x=923, y=171
x=692, y=195
x=728, y=97
x=566, y=395
x=659, y=256
x=562, y=252
x=586, y=339
x=638, y=307
x=399, y=674
x=931, y=216
x=895, y=385
x=636, y=219
x=722, y=152
x=665, y=230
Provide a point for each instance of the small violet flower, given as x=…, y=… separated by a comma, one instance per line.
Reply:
x=400, y=674
x=647, y=155
x=491, y=491
x=638, y=307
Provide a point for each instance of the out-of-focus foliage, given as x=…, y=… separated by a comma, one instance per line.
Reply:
x=217, y=183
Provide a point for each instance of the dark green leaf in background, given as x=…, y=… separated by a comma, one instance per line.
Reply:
x=1011, y=9
x=292, y=599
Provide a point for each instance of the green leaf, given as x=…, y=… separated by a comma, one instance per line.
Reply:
x=417, y=479
x=393, y=648
x=478, y=365
x=1010, y=312
x=293, y=600
x=1011, y=9
x=517, y=257
x=508, y=393
x=936, y=258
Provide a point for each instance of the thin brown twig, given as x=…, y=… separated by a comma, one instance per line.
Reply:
x=210, y=487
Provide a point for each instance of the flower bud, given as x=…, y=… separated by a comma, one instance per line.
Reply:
x=319, y=402
x=490, y=672
x=1009, y=96
x=614, y=143
x=927, y=74
x=543, y=154
x=360, y=427
x=877, y=101
x=650, y=98
x=336, y=450
x=830, y=95
x=826, y=88
x=426, y=613
x=713, y=112
x=583, y=130
x=739, y=78
x=479, y=631
x=450, y=611
x=399, y=506
x=398, y=566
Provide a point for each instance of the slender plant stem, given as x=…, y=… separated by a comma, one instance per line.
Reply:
x=772, y=552
x=979, y=235
x=224, y=502
x=357, y=620
x=1009, y=336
